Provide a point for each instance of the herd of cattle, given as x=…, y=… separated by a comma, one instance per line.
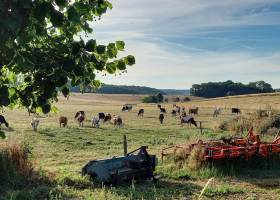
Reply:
x=185, y=117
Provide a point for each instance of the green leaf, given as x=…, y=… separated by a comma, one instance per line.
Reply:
x=112, y=50
x=120, y=45
x=46, y=108
x=40, y=11
x=130, y=60
x=121, y=65
x=90, y=45
x=108, y=4
x=73, y=15
x=54, y=109
x=57, y=18
x=61, y=3
x=101, y=49
x=111, y=68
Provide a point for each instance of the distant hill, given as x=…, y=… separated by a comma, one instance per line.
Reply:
x=122, y=89
x=176, y=92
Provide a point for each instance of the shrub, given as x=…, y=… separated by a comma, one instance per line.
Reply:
x=186, y=99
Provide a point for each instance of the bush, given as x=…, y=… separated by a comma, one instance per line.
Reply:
x=153, y=99
x=186, y=99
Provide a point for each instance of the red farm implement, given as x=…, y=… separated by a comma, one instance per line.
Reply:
x=233, y=148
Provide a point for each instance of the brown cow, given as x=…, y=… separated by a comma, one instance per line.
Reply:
x=161, y=118
x=141, y=112
x=118, y=121
x=193, y=111
x=107, y=118
x=63, y=121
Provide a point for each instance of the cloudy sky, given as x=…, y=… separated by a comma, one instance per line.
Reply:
x=178, y=43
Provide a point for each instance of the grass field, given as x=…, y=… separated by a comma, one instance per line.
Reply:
x=62, y=152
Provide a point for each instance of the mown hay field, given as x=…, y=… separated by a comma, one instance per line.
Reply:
x=60, y=153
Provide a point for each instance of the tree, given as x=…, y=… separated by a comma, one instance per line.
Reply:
x=41, y=50
x=160, y=98
x=229, y=88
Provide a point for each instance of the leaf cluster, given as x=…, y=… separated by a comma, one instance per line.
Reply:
x=41, y=50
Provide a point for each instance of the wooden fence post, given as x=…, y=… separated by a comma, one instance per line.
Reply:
x=200, y=126
x=124, y=145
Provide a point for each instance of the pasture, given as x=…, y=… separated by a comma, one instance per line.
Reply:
x=60, y=153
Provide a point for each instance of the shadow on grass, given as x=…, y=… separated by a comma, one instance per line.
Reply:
x=2, y=135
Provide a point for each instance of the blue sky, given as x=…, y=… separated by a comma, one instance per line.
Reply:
x=178, y=43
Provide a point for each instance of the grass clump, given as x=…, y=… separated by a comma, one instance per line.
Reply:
x=222, y=190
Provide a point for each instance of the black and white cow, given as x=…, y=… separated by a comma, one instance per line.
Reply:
x=127, y=107
x=188, y=119
x=141, y=112
x=3, y=121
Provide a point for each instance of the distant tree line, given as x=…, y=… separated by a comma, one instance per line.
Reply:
x=119, y=89
x=229, y=88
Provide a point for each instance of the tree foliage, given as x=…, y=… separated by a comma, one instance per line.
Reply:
x=41, y=50
x=229, y=88
x=153, y=98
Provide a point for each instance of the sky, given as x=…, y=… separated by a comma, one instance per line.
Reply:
x=178, y=43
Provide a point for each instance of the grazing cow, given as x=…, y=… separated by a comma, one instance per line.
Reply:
x=193, y=111
x=235, y=111
x=127, y=108
x=34, y=123
x=3, y=121
x=101, y=116
x=118, y=121
x=63, y=121
x=107, y=118
x=161, y=118
x=217, y=111
x=177, y=109
x=80, y=117
x=95, y=122
x=141, y=112
x=173, y=113
x=188, y=119
x=162, y=110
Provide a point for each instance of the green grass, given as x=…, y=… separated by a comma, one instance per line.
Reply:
x=60, y=153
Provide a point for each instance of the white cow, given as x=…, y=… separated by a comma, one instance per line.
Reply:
x=95, y=122
x=34, y=123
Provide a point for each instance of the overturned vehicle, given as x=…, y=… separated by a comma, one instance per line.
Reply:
x=135, y=165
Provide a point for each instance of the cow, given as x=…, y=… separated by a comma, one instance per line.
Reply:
x=162, y=110
x=80, y=117
x=188, y=119
x=217, y=111
x=141, y=112
x=127, y=108
x=101, y=116
x=161, y=118
x=107, y=118
x=3, y=121
x=63, y=121
x=118, y=122
x=235, y=111
x=177, y=109
x=173, y=113
x=95, y=122
x=193, y=111
x=34, y=123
